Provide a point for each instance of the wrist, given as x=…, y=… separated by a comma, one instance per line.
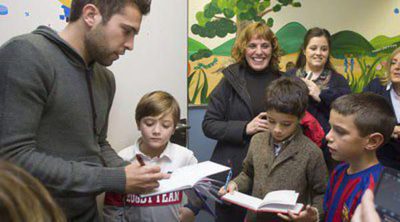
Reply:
x=195, y=210
x=316, y=219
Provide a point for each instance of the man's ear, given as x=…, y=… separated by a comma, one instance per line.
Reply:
x=374, y=141
x=91, y=15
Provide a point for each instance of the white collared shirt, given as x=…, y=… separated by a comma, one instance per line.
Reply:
x=163, y=207
x=396, y=103
x=173, y=157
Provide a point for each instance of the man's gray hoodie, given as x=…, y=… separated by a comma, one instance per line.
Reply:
x=53, y=120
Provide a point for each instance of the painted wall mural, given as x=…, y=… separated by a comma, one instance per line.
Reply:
x=359, y=47
x=65, y=5
x=3, y=10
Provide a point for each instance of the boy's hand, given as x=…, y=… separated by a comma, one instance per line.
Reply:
x=232, y=186
x=258, y=124
x=140, y=179
x=186, y=215
x=310, y=214
x=396, y=132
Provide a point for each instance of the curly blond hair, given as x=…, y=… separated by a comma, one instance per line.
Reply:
x=258, y=30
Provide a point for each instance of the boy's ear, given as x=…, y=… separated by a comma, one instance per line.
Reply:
x=375, y=140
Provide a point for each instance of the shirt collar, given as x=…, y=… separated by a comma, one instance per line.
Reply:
x=167, y=153
x=284, y=143
x=389, y=86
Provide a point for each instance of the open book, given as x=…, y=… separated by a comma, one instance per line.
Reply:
x=275, y=202
x=187, y=177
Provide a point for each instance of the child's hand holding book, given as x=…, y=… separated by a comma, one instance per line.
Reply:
x=309, y=214
x=232, y=186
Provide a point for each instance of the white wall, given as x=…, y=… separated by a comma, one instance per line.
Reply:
x=158, y=60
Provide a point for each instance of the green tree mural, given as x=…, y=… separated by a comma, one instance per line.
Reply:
x=221, y=17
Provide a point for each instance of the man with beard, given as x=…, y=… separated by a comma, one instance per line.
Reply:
x=55, y=99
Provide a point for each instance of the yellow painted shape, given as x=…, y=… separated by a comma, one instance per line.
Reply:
x=66, y=2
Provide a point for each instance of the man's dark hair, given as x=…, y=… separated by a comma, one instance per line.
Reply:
x=372, y=113
x=107, y=8
x=287, y=95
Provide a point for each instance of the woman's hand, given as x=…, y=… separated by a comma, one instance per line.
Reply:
x=258, y=124
x=396, y=132
x=315, y=91
x=366, y=210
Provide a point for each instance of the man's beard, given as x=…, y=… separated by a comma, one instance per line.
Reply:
x=96, y=48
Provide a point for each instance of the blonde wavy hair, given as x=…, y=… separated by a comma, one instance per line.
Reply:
x=258, y=30
x=385, y=79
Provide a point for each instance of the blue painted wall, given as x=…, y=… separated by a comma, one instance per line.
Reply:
x=197, y=141
x=200, y=144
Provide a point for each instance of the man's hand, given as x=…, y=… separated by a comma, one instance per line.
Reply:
x=258, y=124
x=186, y=215
x=232, y=186
x=310, y=214
x=140, y=179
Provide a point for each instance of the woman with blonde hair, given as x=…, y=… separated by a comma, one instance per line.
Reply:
x=24, y=198
x=235, y=110
x=388, y=86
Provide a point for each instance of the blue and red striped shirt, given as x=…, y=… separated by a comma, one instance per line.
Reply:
x=344, y=191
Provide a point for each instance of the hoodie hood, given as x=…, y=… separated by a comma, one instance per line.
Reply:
x=53, y=36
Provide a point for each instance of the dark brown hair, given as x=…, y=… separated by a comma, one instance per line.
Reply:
x=311, y=33
x=107, y=8
x=287, y=95
x=372, y=113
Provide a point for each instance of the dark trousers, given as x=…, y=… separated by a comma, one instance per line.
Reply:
x=229, y=213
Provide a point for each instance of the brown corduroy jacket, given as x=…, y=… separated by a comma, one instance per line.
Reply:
x=299, y=166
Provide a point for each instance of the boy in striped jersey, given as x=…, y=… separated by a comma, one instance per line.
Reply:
x=360, y=124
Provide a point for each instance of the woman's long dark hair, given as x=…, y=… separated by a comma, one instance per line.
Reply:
x=311, y=33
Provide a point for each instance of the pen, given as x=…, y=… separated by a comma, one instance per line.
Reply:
x=140, y=159
x=229, y=177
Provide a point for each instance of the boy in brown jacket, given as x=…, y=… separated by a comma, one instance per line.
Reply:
x=283, y=158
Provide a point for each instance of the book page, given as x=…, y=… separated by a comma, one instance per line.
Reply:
x=281, y=208
x=286, y=197
x=243, y=200
x=255, y=204
x=186, y=177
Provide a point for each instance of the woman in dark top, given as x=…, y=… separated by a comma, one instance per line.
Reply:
x=389, y=87
x=314, y=67
x=235, y=110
